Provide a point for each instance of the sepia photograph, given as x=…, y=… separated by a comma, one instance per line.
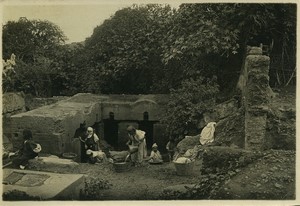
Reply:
x=150, y=101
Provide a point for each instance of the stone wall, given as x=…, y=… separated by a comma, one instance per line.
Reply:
x=34, y=102
x=12, y=103
x=54, y=125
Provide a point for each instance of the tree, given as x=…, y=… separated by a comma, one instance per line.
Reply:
x=126, y=48
x=211, y=39
x=36, y=44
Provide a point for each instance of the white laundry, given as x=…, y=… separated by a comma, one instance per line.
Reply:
x=207, y=134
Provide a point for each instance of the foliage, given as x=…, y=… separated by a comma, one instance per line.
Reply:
x=152, y=49
x=36, y=45
x=8, y=73
x=126, y=49
x=30, y=38
x=93, y=187
x=15, y=195
x=188, y=103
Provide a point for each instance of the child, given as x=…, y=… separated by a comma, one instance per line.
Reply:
x=155, y=156
x=171, y=146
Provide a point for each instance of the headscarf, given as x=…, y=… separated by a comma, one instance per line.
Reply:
x=90, y=129
x=154, y=145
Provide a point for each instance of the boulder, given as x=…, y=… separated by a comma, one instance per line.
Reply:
x=189, y=142
x=231, y=130
x=50, y=162
x=118, y=156
x=219, y=158
x=13, y=102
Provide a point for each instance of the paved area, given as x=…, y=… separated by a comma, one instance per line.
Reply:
x=43, y=184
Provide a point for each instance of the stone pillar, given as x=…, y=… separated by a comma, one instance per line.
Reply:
x=256, y=99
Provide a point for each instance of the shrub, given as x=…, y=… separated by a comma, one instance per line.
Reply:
x=15, y=195
x=188, y=103
x=93, y=187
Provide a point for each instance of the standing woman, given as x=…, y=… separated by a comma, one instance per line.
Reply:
x=137, y=138
x=91, y=143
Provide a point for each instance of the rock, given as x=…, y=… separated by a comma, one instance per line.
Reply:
x=118, y=156
x=263, y=175
x=188, y=142
x=230, y=130
x=255, y=51
x=48, y=163
x=12, y=102
x=226, y=158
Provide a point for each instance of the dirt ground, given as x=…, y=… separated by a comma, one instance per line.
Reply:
x=145, y=182
x=270, y=177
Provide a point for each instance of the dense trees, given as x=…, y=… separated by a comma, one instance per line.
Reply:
x=35, y=44
x=192, y=53
x=152, y=49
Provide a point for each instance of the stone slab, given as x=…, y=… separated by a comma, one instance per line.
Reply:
x=43, y=184
x=44, y=163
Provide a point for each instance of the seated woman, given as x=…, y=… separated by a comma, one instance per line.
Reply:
x=91, y=143
x=29, y=150
x=155, y=156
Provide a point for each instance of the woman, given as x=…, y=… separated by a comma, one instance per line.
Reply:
x=91, y=143
x=29, y=150
x=137, y=138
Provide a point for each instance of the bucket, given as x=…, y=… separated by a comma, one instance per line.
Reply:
x=69, y=155
x=183, y=169
x=121, y=166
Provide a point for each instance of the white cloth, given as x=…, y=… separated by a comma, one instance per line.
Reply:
x=38, y=148
x=140, y=135
x=207, y=134
x=183, y=160
x=96, y=154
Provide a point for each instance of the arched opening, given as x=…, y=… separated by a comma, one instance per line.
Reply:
x=146, y=116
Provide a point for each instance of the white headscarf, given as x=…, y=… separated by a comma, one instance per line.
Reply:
x=90, y=129
x=207, y=134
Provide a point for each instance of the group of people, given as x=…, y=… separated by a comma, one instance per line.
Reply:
x=90, y=148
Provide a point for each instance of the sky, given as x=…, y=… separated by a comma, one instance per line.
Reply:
x=77, y=21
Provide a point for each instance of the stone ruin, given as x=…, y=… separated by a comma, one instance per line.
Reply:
x=54, y=125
